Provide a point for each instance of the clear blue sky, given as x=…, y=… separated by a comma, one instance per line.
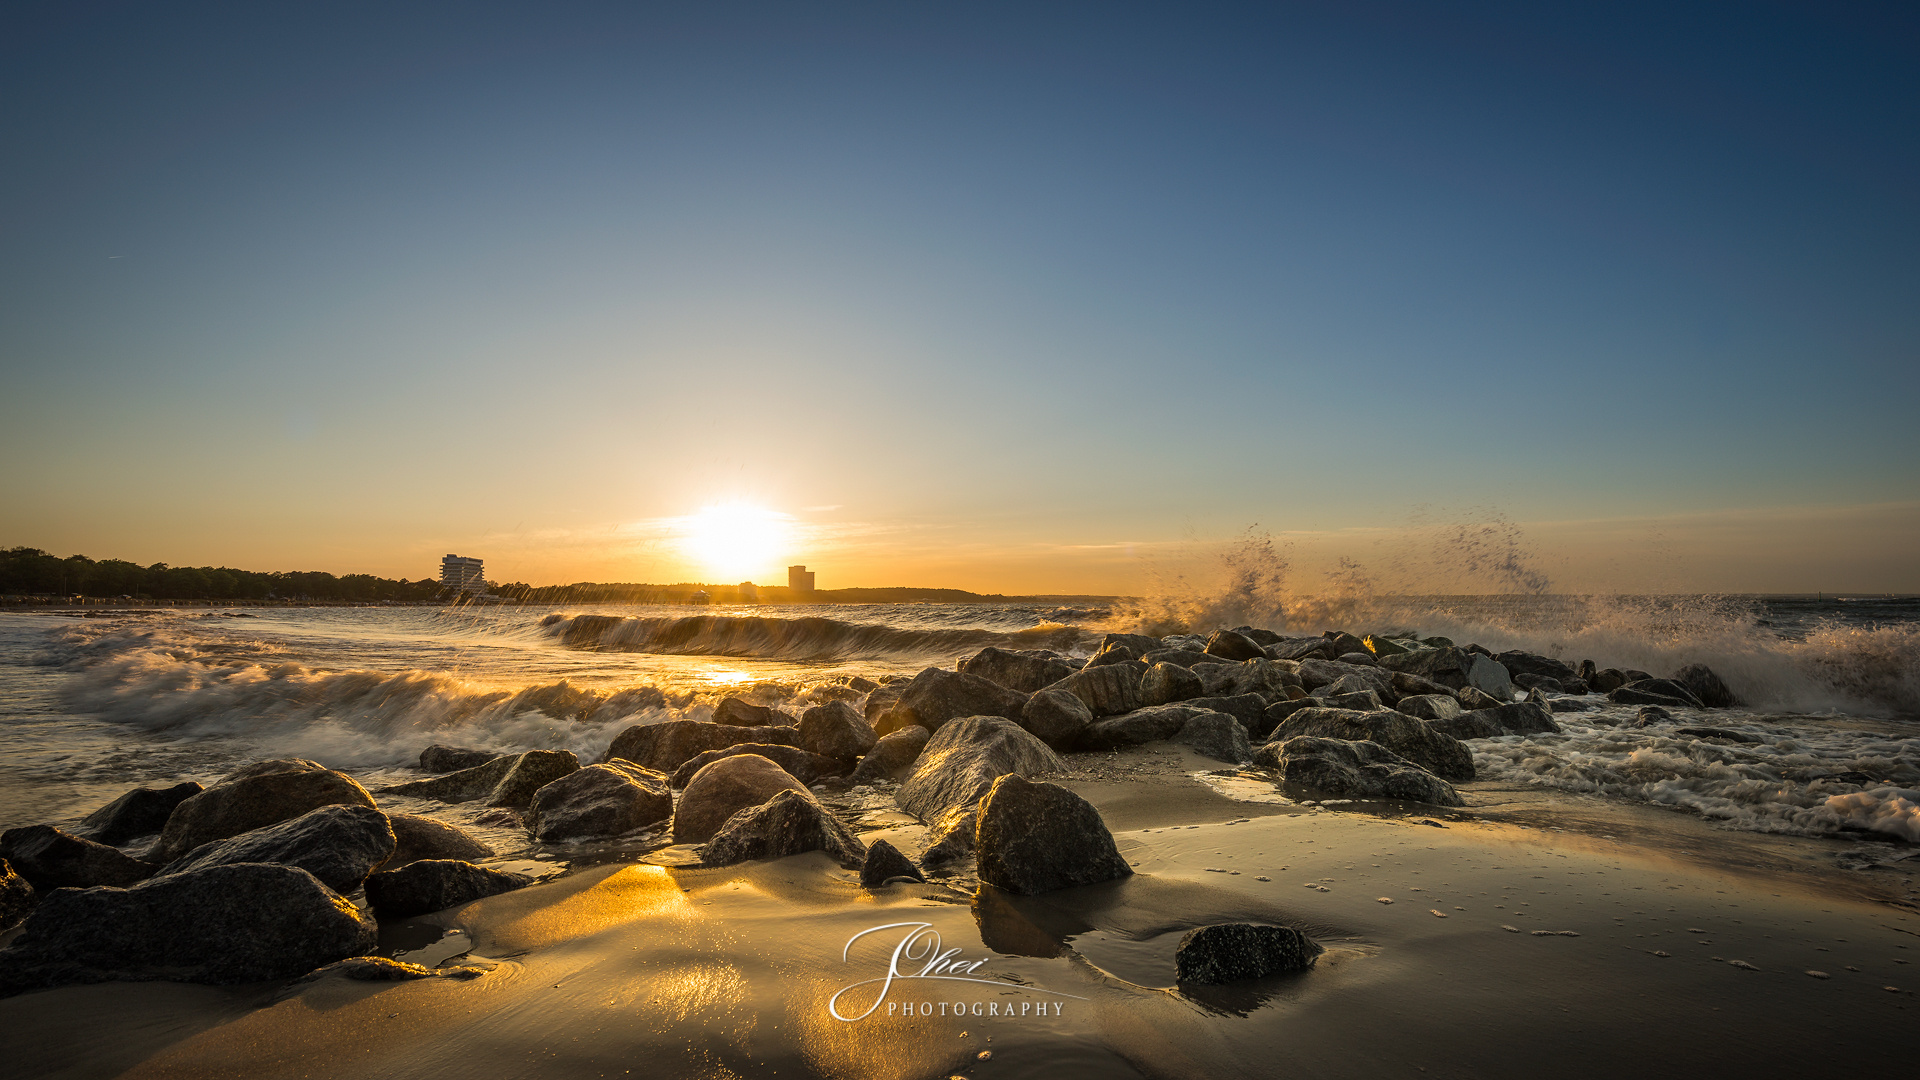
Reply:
x=988, y=296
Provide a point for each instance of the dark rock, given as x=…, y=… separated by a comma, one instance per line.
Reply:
x=417, y=837
x=1111, y=654
x=1302, y=649
x=722, y=789
x=1486, y=674
x=1108, y=690
x=1249, y=709
x=1654, y=692
x=509, y=780
x=1607, y=680
x=1472, y=698
x=16, y=896
x=1635, y=675
x=1412, y=739
x=1344, y=643
x=1406, y=685
x=1185, y=658
x=1315, y=674
x=950, y=846
x=532, y=771
x=1235, y=647
x=1652, y=714
x=244, y=923
x=1167, y=683
x=1270, y=679
x=446, y=759
x=1216, y=735
x=1586, y=671
x=600, y=801
x=463, y=785
x=1358, y=700
x=1429, y=706
x=1380, y=646
x=962, y=761
x=1231, y=952
x=1022, y=671
x=1278, y=712
x=1353, y=769
x=140, y=812
x=1036, y=838
x=1357, y=659
x=736, y=712
x=1568, y=705
x=1056, y=717
x=431, y=885
x=1711, y=691
x=1575, y=686
x=1518, y=663
x=51, y=858
x=881, y=702
x=338, y=845
x=1136, y=728
x=1446, y=666
x=885, y=864
x=372, y=969
x=1263, y=636
x=787, y=824
x=1548, y=684
x=1520, y=718
x=252, y=798
x=893, y=755
x=805, y=767
x=1138, y=644
x=666, y=747
x=1718, y=733
x=836, y=730
x=936, y=696
x=1217, y=678
x=1469, y=725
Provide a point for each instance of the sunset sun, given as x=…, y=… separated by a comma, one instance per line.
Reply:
x=736, y=541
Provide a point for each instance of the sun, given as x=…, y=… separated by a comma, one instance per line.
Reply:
x=736, y=541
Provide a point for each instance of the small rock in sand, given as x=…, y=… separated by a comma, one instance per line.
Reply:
x=1230, y=952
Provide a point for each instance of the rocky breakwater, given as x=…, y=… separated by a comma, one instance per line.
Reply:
x=957, y=770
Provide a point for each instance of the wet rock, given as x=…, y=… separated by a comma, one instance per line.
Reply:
x=1345, y=643
x=1056, y=717
x=417, y=837
x=962, y=761
x=249, y=922
x=1519, y=663
x=1472, y=698
x=787, y=824
x=666, y=747
x=1357, y=659
x=1728, y=734
x=372, y=969
x=1166, y=683
x=936, y=696
x=1652, y=714
x=1021, y=671
x=1035, y=838
x=1138, y=644
x=1108, y=690
x=1302, y=649
x=881, y=702
x=1231, y=952
x=52, y=858
x=600, y=801
x=253, y=798
x=1249, y=709
x=1263, y=636
x=836, y=730
x=446, y=759
x=532, y=771
x=1216, y=735
x=1358, y=700
x=1429, y=706
x=736, y=712
x=1380, y=646
x=724, y=788
x=1446, y=666
x=1136, y=728
x=16, y=896
x=808, y=768
x=1353, y=769
x=1469, y=725
x=1607, y=680
x=1270, y=679
x=1568, y=705
x=1217, y=678
x=431, y=885
x=1709, y=689
x=338, y=845
x=886, y=864
x=1406, y=685
x=1315, y=674
x=1486, y=675
x=952, y=845
x=1412, y=739
x=1185, y=658
x=1662, y=692
x=1112, y=654
x=1235, y=647
x=893, y=755
x=1520, y=718
x=1543, y=683
x=1278, y=712
x=140, y=812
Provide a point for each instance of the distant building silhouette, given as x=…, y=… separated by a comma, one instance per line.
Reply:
x=749, y=593
x=799, y=579
x=461, y=573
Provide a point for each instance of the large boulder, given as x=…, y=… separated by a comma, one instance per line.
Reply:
x=891, y=757
x=1136, y=728
x=1035, y=838
x=881, y=702
x=1107, y=690
x=532, y=771
x=1318, y=674
x=1137, y=644
x=1429, y=706
x=1446, y=666
x=416, y=837
x=1231, y=952
x=961, y=762
x=887, y=865
x=1302, y=649
x=339, y=845
x=936, y=696
x=724, y=788
x=1406, y=685
x=1164, y=684
x=1236, y=647
x=1185, y=658
x=1353, y=770
x=254, y=797
x=1268, y=678
x=599, y=801
x=1663, y=692
x=436, y=885
x=16, y=896
x=740, y=713
x=1022, y=671
x=1472, y=699
x=439, y=758
x=248, y=922
x=1711, y=690
x=787, y=824
x=1216, y=735
x=140, y=812
x=1521, y=718
x=805, y=767
x=52, y=858
x=1249, y=709
x=1445, y=757
x=836, y=730
x=1217, y=677
x=666, y=747
x=1519, y=662
x=1055, y=717
x=1489, y=677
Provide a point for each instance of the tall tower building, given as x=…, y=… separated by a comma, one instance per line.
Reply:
x=462, y=573
x=799, y=579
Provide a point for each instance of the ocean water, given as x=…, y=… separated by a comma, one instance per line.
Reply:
x=92, y=703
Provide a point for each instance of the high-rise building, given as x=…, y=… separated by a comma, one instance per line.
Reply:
x=799, y=579
x=462, y=573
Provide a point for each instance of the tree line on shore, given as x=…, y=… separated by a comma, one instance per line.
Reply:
x=31, y=571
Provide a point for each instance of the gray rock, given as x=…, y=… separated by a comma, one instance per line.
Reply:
x=836, y=730
x=1302, y=649
x=1718, y=733
x=666, y=747
x=598, y=802
x=532, y=771
x=892, y=756
x=509, y=780
x=1167, y=683
x=1469, y=725
x=1036, y=838
x=1345, y=644
x=1568, y=705
x=1472, y=698
x=724, y=788
x=936, y=696
x=1357, y=659
x=245, y=923
x=51, y=858
x=1216, y=735
x=1185, y=658
x=1217, y=678
x=1263, y=636
x=1650, y=715
x=140, y=812
x=16, y=896
x=962, y=761
x=1353, y=769
x=431, y=885
x=417, y=837
x=1446, y=666
x=1358, y=700
x=1522, y=718
x=1056, y=717
x=338, y=845
x=1112, y=654
x=1706, y=687
x=1021, y=671
x=446, y=759
x=1486, y=675
x=1607, y=680
x=1107, y=690
x=808, y=768
x=1543, y=683
x=1235, y=647
x=253, y=798
x=1429, y=706
x=1315, y=674
x=1410, y=738
x=787, y=824
x=1278, y=712
x=1654, y=692
x=463, y=785
x=1138, y=644
x=1232, y=952
x=1406, y=685
x=881, y=702
x=1269, y=678
x=885, y=865
x=1136, y=728
x=1518, y=663
x=1249, y=709
x=736, y=712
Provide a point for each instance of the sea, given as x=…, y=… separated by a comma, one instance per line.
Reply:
x=94, y=702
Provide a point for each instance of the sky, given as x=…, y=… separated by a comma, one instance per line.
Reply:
x=1012, y=298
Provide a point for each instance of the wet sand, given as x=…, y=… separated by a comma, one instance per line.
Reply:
x=1508, y=950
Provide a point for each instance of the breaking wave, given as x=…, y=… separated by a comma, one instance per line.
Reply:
x=811, y=638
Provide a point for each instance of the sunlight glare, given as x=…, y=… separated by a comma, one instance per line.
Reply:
x=737, y=541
